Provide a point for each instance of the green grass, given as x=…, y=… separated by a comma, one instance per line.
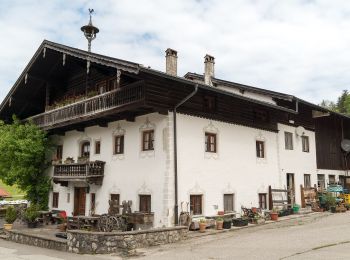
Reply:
x=14, y=191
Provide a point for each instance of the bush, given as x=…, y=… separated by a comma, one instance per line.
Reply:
x=11, y=215
x=329, y=200
x=32, y=213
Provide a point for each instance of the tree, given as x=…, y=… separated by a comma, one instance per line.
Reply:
x=24, y=155
x=341, y=106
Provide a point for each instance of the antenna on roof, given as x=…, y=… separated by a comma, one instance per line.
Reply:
x=90, y=31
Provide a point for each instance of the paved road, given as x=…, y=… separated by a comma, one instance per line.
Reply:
x=312, y=237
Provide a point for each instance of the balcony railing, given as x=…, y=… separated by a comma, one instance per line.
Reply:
x=89, y=171
x=88, y=107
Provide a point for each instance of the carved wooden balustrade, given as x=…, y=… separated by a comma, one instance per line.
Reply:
x=91, y=172
x=88, y=107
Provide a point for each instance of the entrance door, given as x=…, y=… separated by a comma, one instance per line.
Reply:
x=291, y=188
x=79, y=201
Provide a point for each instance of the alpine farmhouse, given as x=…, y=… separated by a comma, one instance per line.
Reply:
x=126, y=132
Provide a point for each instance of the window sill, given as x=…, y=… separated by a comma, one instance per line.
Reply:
x=211, y=155
x=147, y=154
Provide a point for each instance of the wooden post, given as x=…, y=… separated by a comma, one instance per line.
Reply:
x=270, y=198
x=302, y=196
x=47, y=97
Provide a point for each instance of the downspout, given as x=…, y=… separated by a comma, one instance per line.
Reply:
x=176, y=208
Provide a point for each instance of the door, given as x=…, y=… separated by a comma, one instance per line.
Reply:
x=79, y=201
x=291, y=188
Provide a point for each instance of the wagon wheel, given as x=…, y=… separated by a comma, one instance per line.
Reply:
x=113, y=223
x=102, y=223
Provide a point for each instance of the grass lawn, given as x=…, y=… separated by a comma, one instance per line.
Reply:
x=15, y=192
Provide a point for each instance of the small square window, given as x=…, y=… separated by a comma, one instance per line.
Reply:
x=119, y=144
x=97, y=147
x=210, y=143
x=305, y=144
x=148, y=140
x=260, y=149
x=288, y=140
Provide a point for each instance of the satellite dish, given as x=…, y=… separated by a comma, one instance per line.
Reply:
x=300, y=131
x=345, y=145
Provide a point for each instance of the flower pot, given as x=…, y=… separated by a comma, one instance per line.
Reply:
x=8, y=226
x=333, y=209
x=219, y=225
x=221, y=213
x=227, y=224
x=202, y=227
x=239, y=222
x=32, y=224
x=274, y=216
x=254, y=210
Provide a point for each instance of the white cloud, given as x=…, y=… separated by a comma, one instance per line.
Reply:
x=296, y=47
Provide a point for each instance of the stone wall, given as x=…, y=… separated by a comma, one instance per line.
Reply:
x=85, y=242
x=33, y=240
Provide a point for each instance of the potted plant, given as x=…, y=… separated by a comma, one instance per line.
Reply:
x=83, y=159
x=274, y=214
x=330, y=202
x=219, y=223
x=31, y=215
x=10, y=217
x=69, y=160
x=227, y=223
x=202, y=225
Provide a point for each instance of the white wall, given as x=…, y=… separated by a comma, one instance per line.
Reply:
x=134, y=173
x=296, y=161
x=234, y=169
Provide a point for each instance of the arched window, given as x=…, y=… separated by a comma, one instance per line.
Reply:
x=85, y=149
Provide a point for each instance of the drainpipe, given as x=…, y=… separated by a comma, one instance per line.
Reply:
x=176, y=208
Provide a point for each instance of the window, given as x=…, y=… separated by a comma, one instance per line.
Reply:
x=260, y=149
x=59, y=152
x=262, y=201
x=320, y=181
x=119, y=144
x=68, y=197
x=115, y=205
x=288, y=140
x=209, y=104
x=55, y=196
x=305, y=144
x=92, y=203
x=228, y=202
x=85, y=149
x=210, y=143
x=307, y=180
x=331, y=179
x=145, y=203
x=97, y=147
x=196, y=204
x=148, y=140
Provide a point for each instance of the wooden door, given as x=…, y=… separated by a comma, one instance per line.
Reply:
x=79, y=201
x=196, y=204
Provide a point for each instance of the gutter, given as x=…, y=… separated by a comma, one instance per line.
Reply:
x=176, y=206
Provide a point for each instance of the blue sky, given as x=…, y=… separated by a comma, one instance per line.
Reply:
x=297, y=47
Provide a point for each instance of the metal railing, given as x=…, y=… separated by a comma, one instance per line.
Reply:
x=87, y=107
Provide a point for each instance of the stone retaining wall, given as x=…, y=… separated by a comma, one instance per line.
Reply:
x=85, y=242
x=22, y=238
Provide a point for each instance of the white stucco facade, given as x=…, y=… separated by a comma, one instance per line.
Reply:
x=233, y=169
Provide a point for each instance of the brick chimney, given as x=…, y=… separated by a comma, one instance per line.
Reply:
x=208, y=69
x=171, y=62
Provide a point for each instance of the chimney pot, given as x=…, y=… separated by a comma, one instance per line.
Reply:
x=209, y=62
x=171, y=62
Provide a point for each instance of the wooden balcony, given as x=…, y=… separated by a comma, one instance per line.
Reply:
x=91, y=107
x=91, y=172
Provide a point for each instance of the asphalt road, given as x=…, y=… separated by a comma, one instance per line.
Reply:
x=311, y=237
